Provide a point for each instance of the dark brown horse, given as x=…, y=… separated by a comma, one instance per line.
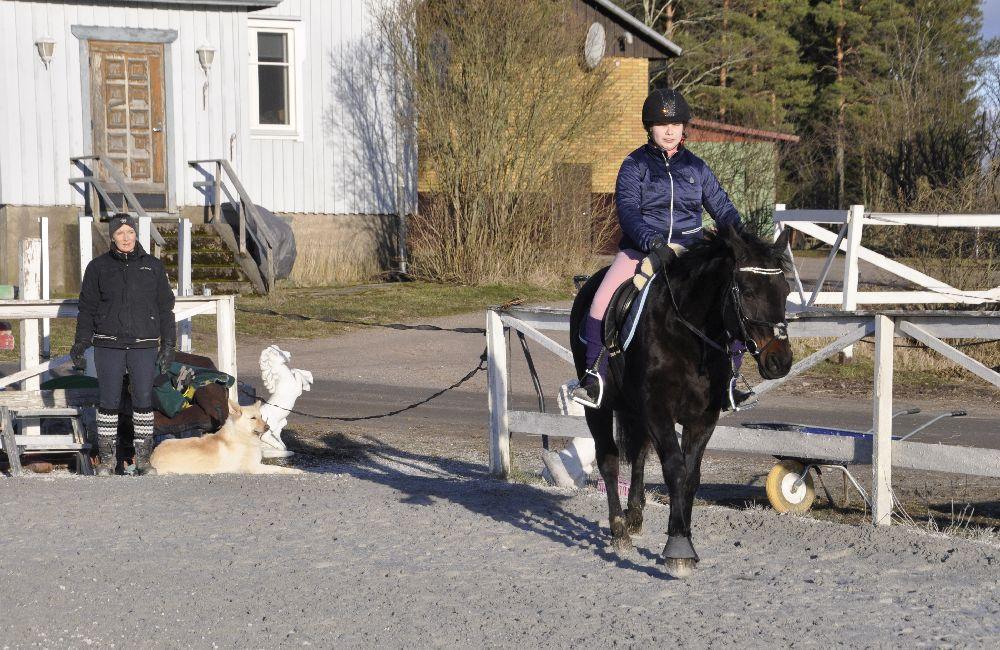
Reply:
x=677, y=371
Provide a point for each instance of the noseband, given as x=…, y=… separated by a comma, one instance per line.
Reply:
x=779, y=329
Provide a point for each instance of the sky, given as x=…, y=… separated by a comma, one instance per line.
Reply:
x=991, y=18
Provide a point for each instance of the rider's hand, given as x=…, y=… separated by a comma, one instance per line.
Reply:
x=76, y=354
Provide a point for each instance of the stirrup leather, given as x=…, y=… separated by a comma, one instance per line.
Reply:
x=596, y=404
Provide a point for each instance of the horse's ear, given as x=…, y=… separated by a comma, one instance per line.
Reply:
x=781, y=243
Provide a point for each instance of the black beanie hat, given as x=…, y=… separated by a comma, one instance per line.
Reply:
x=119, y=220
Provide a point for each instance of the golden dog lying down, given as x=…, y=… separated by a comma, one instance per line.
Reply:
x=235, y=448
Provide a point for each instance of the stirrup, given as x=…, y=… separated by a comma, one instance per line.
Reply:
x=746, y=405
x=582, y=401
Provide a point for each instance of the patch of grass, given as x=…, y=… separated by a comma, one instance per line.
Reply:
x=379, y=303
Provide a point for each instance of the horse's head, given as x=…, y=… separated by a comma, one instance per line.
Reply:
x=755, y=307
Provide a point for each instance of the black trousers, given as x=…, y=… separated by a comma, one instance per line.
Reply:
x=111, y=365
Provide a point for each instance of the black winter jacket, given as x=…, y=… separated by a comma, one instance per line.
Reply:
x=126, y=302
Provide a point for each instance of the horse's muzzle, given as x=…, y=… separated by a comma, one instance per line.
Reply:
x=775, y=359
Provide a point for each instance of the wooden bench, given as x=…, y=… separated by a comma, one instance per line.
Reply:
x=15, y=446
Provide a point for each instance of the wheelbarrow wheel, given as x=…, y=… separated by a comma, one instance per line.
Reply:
x=781, y=490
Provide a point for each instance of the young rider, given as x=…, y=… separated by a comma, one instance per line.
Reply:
x=659, y=195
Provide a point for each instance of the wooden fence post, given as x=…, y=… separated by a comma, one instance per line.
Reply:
x=882, y=423
x=184, y=287
x=86, y=243
x=849, y=300
x=497, y=380
x=145, y=236
x=30, y=282
x=43, y=227
x=225, y=332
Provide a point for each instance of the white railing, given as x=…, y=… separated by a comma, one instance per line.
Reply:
x=29, y=311
x=848, y=240
x=846, y=328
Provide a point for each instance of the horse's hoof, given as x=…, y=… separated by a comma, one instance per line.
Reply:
x=623, y=547
x=679, y=568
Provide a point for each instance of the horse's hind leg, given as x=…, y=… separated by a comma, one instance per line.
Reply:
x=637, y=490
x=601, y=428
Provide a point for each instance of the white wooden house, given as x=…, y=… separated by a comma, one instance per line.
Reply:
x=288, y=91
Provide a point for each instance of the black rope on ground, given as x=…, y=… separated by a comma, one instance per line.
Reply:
x=344, y=321
x=469, y=375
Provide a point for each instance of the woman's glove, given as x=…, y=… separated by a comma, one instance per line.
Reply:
x=76, y=354
x=165, y=358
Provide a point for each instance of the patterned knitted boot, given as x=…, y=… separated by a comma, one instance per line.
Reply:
x=107, y=442
x=142, y=423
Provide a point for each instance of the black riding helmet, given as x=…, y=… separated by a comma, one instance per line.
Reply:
x=665, y=106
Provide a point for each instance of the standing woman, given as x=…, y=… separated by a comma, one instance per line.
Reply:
x=127, y=314
x=661, y=190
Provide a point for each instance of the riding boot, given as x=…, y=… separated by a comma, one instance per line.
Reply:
x=107, y=442
x=736, y=351
x=590, y=390
x=142, y=424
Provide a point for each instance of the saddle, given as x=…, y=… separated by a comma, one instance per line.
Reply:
x=622, y=317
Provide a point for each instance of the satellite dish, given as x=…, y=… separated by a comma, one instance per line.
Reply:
x=593, y=48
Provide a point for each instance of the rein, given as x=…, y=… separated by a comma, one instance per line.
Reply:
x=779, y=329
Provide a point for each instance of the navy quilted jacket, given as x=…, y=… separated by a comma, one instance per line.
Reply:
x=657, y=196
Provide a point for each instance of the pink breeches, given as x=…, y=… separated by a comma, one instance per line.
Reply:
x=622, y=269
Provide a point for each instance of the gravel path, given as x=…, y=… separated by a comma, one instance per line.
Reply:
x=384, y=544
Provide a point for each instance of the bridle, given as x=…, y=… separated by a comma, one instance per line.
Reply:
x=779, y=329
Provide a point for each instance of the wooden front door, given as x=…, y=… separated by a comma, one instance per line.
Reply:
x=127, y=116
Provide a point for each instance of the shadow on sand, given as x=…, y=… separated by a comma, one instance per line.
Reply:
x=422, y=479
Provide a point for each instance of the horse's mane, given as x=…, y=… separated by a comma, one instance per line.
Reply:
x=727, y=242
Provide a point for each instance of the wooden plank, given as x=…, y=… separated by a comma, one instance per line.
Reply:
x=225, y=327
x=46, y=273
x=87, y=397
x=33, y=371
x=813, y=216
x=29, y=279
x=967, y=362
x=816, y=357
x=547, y=424
x=882, y=423
x=937, y=220
x=184, y=286
x=946, y=458
x=497, y=381
x=46, y=412
x=538, y=337
x=9, y=441
x=47, y=442
x=943, y=297
x=86, y=243
x=849, y=301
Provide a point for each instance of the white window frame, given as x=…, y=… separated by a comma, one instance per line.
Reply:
x=291, y=130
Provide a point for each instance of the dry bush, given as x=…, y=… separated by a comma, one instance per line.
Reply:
x=500, y=99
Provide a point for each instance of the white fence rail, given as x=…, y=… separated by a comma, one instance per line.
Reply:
x=846, y=328
x=29, y=311
x=848, y=240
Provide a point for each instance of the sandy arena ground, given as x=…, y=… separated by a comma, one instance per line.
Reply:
x=385, y=544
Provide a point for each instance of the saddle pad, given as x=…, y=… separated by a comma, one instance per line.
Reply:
x=631, y=323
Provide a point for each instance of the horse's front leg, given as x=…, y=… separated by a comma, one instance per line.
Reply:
x=695, y=440
x=637, y=490
x=678, y=554
x=601, y=423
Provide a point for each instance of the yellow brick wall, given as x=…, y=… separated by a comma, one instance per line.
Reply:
x=629, y=87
